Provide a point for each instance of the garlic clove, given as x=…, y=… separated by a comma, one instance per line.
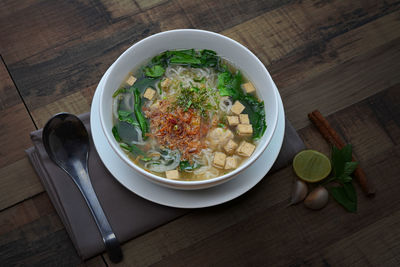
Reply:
x=317, y=199
x=299, y=192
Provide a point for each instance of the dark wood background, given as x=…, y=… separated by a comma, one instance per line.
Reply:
x=341, y=57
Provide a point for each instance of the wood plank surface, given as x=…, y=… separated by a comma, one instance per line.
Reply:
x=339, y=56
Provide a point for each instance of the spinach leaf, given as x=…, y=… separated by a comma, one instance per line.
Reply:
x=144, y=126
x=229, y=85
x=209, y=59
x=185, y=165
x=127, y=116
x=154, y=71
x=188, y=57
x=255, y=109
x=133, y=149
x=185, y=57
x=143, y=83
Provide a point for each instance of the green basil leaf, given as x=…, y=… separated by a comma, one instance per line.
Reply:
x=347, y=152
x=351, y=192
x=344, y=196
x=337, y=162
x=349, y=168
x=345, y=179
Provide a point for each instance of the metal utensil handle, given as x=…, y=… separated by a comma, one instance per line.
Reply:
x=82, y=180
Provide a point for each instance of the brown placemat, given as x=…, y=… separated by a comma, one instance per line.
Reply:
x=128, y=214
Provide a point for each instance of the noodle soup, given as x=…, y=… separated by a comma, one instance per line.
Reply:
x=187, y=115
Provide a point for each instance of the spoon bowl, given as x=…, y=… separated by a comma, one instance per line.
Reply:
x=67, y=143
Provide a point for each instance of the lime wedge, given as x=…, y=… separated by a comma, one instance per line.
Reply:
x=311, y=166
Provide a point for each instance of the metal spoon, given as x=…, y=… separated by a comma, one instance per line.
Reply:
x=67, y=142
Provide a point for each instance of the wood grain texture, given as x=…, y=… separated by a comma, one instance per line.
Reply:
x=8, y=93
x=335, y=60
x=339, y=56
x=18, y=181
x=146, y=4
x=44, y=242
x=14, y=120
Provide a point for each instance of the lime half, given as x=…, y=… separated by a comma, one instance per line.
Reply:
x=311, y=166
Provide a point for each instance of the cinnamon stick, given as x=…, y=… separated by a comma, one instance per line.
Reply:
x=333, y=138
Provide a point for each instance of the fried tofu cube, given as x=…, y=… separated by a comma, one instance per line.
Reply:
x=230, y=163
x=149, y=93
x=244, y=119
x=165, y=83
x=131, y=80
x=219, y=160
x=233, y=120
x=172, y=174
x=237, y=108
x=244, y=129
x=245, y=149
x=230, y=146
x=249, y=87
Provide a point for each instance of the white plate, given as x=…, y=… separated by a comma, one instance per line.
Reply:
x=139, y=185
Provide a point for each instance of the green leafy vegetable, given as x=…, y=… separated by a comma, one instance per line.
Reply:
x=189, y=57
x=145, y=159
x=127, y=116
x=343, y=167
x=202, y=80
x=119, y=91
x=133, y=149
x=154, y=71
x=345, y=195
x=229, y=85
x=255, y=109
x=144, y=126
x=143, y=83
x=116, y=134
x=185, y=165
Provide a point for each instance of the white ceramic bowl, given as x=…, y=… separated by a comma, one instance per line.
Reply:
x=225, y=47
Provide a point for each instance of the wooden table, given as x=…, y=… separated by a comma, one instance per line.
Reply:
x=341, y=57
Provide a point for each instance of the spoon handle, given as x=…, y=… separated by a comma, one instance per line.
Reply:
x=81, y=178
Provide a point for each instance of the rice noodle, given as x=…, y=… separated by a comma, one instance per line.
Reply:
x=167, y=162
x=128, y=99
x=225, y=104
x=139, y=135
x=115, y=107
